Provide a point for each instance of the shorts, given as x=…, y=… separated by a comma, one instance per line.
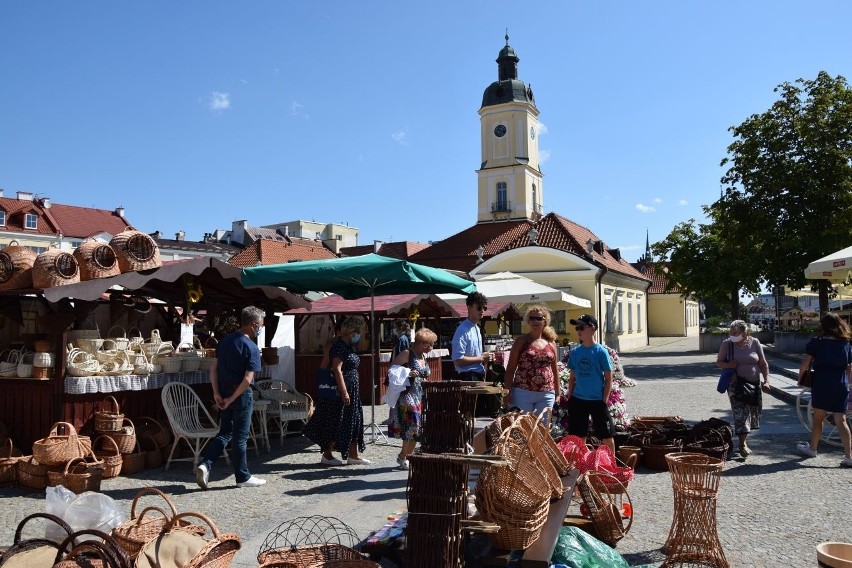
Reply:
x=579, y=411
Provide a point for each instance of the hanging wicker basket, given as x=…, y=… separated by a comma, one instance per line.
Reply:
x=55, y=268
x=135, y=250
x=16, y=264
x=96, y=260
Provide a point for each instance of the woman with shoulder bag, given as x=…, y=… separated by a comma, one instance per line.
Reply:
x=831, y=356
x=744, y=391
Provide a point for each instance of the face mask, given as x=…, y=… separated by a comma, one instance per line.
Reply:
x=355, y=338
x=736, y=338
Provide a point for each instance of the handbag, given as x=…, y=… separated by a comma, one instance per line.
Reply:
x=727, y=374
x=746, y=392
x=326, y=385
x=806, y=381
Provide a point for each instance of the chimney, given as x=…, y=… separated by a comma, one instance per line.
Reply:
x=287, y=231
x=120, y=211
x=180, y=235
x=157, y=235
x=45, y=202
x=376, y=246
x=25, y=195
x=1, y=192
x=238, y=232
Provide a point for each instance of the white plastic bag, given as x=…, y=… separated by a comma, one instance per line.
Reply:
x=88, y=510
x=397, y=383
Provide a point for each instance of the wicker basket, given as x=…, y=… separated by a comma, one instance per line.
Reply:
x=147, y=426
x=133, y=462
x=216, y=552
x=79, y=363
x=125, y=437
x=58, y=448
x=132, y=534
x=111, y=458
x=40, y=552
x=119, y=335
x=598, y=491
x=153, y=455
x=43, y=346
x=309, y=555
x=9, y=362
x=654, y=454
x=78, y=476
x=171, y=364
x=188, y=355
x=360, y=563
x=8, y=464
x=31, y=473
x=54, y=267
x=101, y=552
x=25, y=365
x=96, y=260
x=16, y=264
x=135, y=250
x=110, y=419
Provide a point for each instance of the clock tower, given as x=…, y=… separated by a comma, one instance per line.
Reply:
x=509, y=178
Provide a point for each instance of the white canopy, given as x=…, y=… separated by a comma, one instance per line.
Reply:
x=517, y=289
x=836, y=267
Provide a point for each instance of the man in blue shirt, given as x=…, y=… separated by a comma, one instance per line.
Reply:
x=590, y=384
x=468, y=358
x=237, y=362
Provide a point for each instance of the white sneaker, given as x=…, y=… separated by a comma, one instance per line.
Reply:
x=202, y=475
x=252, y=482
x=804, y=448
x=356, y=461
x=402, y=462
x=333, y=461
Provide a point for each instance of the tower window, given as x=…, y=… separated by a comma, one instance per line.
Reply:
x=536, y=207
x=502, y=198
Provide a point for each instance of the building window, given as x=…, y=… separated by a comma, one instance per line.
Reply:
x=76, y=244
x=2, y=218
x=638, y=317
x=31, y=221
x=620, y=323
x=38, y=250
x=630, y=317
x=502, y=197
x=559, y=321
x=608, y=322
x=535, y=206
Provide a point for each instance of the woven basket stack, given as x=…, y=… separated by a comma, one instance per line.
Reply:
x=43, y=360
x=62, y=458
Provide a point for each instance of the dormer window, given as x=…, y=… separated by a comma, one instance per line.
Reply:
x=2, y=218
x=31, y=221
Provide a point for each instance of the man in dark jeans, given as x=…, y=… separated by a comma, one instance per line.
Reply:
x=237, y=361
x=468, y=358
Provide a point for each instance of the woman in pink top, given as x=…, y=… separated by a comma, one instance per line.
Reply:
x=532, y=370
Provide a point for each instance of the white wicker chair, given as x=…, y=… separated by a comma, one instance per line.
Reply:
x=185, y=412
x=288, y=404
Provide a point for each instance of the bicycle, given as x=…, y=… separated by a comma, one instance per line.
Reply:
x=805, y=412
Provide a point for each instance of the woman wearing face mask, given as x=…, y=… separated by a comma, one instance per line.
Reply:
x=339, y=423
x=750, y=364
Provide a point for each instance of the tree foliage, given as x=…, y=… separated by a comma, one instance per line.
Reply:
x=787, y=198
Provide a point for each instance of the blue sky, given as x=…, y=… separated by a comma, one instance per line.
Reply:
x=195, y=114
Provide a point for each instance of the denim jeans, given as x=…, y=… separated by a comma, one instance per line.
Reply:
x=532, y=401
x=234, y=424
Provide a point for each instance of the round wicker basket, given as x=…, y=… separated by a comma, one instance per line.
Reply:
x=97, y=260
x=54, y=267
x=135, y=250
x=16, y=263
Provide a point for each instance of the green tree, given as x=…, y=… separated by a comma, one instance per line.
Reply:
x=789, y=180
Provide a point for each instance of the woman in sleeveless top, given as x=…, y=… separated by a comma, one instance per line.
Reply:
x=532, y=372
x=406, y=421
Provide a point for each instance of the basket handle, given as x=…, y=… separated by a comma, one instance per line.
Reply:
x=72, y=432
x=151, y=491
x=9, y=447
x=155, y=336
x=173, y=523
x=114, y=402
x=153, y=443
x=108, y=551
x=152, y=509
x=62, y=524
x=114, y=445
x=151, y=421
x=118, y=327
x=68, y=467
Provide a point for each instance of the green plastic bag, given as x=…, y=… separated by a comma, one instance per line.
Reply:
x=576, y=548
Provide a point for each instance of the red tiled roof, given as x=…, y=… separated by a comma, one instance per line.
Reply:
x=658, y=279
x=458, y=252
x=335, y=304
x=16, y=210
x=81, y=222
x=401, y=250
x=276, y=252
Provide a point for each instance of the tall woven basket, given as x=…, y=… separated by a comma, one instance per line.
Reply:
x=135, y=250
x=97, y=260
x=16, y=267
x=54, y=267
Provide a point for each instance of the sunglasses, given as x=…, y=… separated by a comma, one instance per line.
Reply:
x=580, y=327
x=535, y=318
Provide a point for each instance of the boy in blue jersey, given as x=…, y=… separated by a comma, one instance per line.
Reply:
x=590, y=384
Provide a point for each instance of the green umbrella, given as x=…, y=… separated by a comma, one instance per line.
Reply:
x=358, y=277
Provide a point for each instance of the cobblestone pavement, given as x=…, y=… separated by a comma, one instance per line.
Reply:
x=773, y=508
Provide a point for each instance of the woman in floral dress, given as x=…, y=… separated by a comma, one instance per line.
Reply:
x=406, y=421
x=532, y=370
x=340, y=423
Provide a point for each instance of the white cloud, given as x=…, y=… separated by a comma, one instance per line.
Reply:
x=657, y=200
x=219, y=101
x=542, y=129
x=683, y=202
x=400, y=137
x=642, y=208
x=543, y=155
x=244, y=81
x=298, y=109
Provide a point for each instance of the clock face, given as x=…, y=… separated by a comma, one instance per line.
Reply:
x=532, y=132
x=499, y=131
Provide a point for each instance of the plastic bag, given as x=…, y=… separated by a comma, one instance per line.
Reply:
x=88, y=510
x=576, y=548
